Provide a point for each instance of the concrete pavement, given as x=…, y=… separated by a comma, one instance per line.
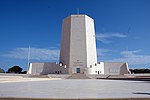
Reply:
x=76, y=89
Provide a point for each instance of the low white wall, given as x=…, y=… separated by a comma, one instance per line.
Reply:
x=115, y=68
x=106, y=68
x=46, y=68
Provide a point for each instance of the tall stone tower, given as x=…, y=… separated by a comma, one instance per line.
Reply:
x=78, y=47
x=78, y=52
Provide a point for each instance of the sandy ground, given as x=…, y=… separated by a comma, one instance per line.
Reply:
x=4, y=79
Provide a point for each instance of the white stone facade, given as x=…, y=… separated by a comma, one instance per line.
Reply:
x=96, y=68
x=78, y=47
x=78, y=51
x=47, y=68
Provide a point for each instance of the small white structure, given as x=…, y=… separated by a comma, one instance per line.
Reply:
x=78, y=51
x=47, y=68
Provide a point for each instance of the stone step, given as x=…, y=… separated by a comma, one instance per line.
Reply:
x=37, y=76
x=117, y=76
x=78, y=76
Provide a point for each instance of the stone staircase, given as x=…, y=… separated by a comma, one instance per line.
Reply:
x=78, y=76
x=117, y=77
x=36, y=76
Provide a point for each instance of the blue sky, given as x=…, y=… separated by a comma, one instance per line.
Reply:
x=122, y=30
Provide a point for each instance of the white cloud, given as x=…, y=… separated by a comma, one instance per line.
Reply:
x=106, y=37
x=130, y=53
x=132, y=57
x=35, y=53
x=101, y=52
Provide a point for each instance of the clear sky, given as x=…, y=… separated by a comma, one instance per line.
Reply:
x=122, y=30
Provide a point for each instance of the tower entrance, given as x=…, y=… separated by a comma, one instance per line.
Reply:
x=78, y=70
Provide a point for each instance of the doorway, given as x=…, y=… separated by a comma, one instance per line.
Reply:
x=78, y=70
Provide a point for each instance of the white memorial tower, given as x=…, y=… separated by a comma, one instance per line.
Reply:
x=78, y=52
x=78, y=44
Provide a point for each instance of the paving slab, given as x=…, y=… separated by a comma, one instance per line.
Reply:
x=76, y=89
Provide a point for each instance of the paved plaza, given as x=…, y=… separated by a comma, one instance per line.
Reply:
x=75, y=89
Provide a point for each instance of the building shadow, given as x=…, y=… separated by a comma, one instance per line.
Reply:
x=144, y=93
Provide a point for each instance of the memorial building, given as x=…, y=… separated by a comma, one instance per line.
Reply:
x=78, y=52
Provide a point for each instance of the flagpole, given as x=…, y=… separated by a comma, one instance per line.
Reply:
x=78, y=11
x=28, y=58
